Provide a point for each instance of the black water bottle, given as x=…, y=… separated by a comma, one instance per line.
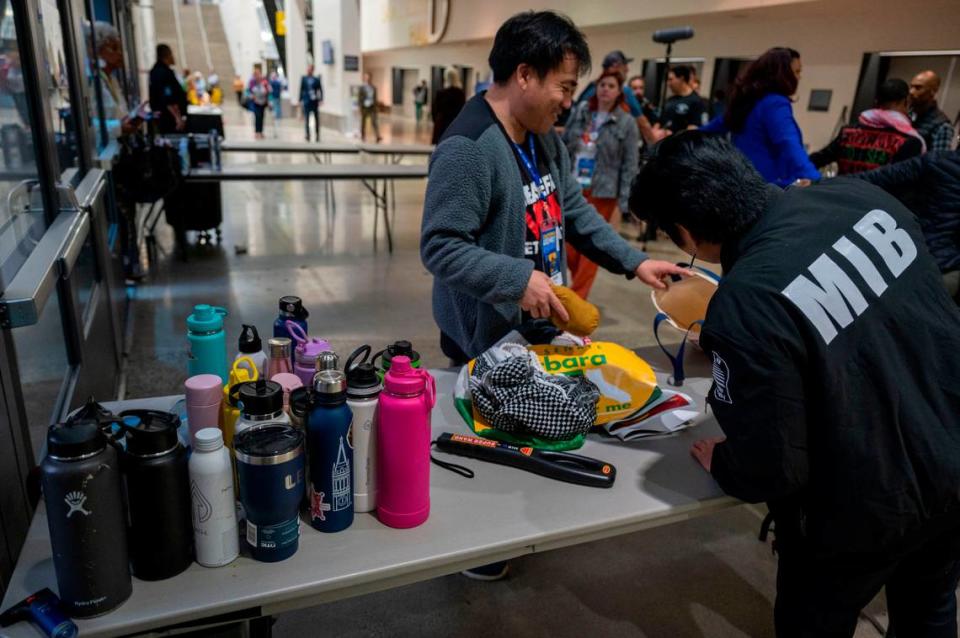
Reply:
x=158, y=495
x=81, y=489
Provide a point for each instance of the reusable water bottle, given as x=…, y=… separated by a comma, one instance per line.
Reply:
x=305, y=354
x=280, y=357
x=250, y=345
x=158, y=495
x=270, y=466
x=403, y=445
x=82, y=491
x=329, y=453
x=215, y=534
x=243, y=370
x=291, y=309
x=208, y=342
x=204, y=394
x=260, y=402
x=397, y=349
x=363, y=392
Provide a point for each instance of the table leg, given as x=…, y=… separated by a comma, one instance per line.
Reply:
x=261, y=627
x=386, y=215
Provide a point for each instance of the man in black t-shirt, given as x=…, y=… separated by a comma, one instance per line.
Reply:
x=685, y=108
x=166, y=93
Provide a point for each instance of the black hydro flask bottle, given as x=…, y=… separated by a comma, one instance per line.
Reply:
x=81, y=489
x=158, y=495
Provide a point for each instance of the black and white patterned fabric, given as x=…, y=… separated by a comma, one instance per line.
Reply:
x=512, y=392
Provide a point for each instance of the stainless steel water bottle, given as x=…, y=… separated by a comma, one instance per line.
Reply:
x=158, y=495
x=81, y=489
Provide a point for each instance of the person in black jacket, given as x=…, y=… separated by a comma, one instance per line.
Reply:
x=930, y=187
x=835, y=379
x=166, y=93
x=882, y=135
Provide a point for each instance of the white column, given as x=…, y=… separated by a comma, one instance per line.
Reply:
x=337, y=21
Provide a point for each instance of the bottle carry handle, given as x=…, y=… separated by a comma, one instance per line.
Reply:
x=245, y=363
x=431, y=388
x=298, y=334
x=364, y=350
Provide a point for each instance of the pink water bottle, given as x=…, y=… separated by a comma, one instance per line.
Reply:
x=403, y=441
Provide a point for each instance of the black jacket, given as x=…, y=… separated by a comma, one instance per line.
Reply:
x=836, y=376
x=930, y=187
x=165, y=90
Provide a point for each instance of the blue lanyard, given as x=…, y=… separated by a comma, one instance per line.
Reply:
x=531, y=166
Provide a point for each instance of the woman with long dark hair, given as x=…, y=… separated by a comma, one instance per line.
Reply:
x=759, y=116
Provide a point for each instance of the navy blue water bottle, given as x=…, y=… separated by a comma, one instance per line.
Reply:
x=330, y=453
x=291, y=309
x=270, y=468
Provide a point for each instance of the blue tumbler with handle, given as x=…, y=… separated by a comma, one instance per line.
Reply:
x=208, y=342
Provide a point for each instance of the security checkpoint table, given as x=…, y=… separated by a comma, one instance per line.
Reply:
x=502, y=513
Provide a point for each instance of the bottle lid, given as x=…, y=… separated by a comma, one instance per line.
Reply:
x=292, y=305
x=399, y=349
x=363, y=381
x=76, y=440
x=326, y=360
x=403, y=378
x=206, y=318
x=287, y=380
x=330, y=384
x=260, y=398
x=268, y=444
x=203, y=389
x=150, y=432
x=300, y=402
x=279, y=347
x=308, y=351
x=208, y=440
x=250, y=340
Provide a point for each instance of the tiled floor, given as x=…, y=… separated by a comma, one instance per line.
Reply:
x=706, y=577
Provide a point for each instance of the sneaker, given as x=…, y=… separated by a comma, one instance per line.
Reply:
x=493, y=571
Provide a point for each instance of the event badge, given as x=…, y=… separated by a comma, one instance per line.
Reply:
x=550, y=247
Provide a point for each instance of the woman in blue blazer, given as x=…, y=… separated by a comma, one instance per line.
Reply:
x=760, y=118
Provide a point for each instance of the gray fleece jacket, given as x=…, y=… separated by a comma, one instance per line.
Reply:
x=474, y=227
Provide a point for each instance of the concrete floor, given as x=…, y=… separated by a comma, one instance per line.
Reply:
x=707, y=577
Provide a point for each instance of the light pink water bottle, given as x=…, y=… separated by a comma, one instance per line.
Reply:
x=403, y=441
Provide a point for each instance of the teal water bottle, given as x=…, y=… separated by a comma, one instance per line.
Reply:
x=208, y=342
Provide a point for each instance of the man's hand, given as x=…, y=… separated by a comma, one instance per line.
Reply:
x=702, y=450
x=539, y=299
x=653, y=271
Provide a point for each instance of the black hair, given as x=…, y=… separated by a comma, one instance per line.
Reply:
x=892, y=91
x=540, y=39
x=683, y=71
x=163, y=50
x=702, y=182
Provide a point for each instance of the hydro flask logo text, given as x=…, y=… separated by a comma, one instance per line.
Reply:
x=75, y=501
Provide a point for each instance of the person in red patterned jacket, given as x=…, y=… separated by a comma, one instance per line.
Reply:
x=882, y=135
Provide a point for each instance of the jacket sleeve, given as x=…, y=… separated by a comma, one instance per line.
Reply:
x=573, y=129
x=758, y=400
x=784, y=135
x=911, y=148
x=630, y=165
x=828, y=153
x=455, y=209
x=895, y=177
x=585, y=229
x=716, y=125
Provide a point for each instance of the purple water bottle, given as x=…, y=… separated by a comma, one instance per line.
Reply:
x=291, y=309
x=305, y=354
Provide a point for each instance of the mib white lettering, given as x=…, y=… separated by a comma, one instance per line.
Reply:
x=833, y=301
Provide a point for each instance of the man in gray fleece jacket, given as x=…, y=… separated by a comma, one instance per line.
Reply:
x=502, y=201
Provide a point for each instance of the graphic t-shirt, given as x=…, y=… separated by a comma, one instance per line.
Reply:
x=541, y=215
x=682, y=111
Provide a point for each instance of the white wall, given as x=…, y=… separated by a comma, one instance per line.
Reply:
x=832, y=36
x=242, y=28
x=339, y=22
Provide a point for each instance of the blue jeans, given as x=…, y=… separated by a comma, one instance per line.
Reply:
x=258, y=111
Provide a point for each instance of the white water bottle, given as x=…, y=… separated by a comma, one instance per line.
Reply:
x=363, y=391
x=215, y=533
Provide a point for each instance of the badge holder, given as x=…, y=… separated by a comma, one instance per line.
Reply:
x=675, y=360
